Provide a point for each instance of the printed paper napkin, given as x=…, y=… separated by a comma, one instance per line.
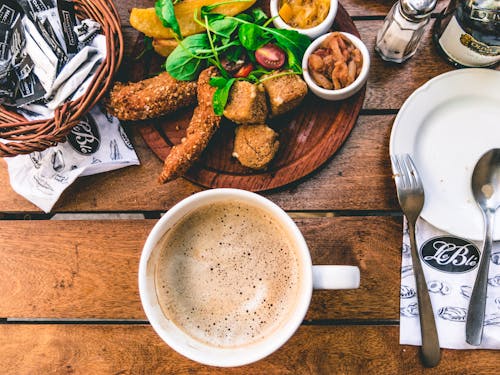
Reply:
x=450, y=266
x=96, y=144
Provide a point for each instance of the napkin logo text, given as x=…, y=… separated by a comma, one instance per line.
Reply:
x=450, y=254
x=7, y=14
x=85, y=137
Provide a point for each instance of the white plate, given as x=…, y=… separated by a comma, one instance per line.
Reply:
x=446, y=125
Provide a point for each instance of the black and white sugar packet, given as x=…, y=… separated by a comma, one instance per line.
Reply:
x=39, y=42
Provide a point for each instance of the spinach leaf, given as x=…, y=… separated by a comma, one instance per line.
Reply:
x=185, y=69
x=165, y=12
x=291, y=40
x=259, y=17
x=292, y=61
x=244, y=17
x=185, y=62
x=221, y=95
x=194, y=43
x=219, y=82
x=234, y=53
x=223, y=27
x=251, y=36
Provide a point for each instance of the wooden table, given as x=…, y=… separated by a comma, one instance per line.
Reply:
x=70, y=302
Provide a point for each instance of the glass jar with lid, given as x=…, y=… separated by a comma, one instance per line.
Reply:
x=467, y=33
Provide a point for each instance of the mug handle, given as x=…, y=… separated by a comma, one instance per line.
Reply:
x=335, y=277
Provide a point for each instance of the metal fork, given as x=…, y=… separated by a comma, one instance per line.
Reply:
x=411, y=199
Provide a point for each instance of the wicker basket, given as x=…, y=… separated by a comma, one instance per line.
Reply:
x=28, y=136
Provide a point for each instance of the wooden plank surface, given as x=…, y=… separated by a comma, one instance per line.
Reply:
x=136, y=349
x=358, y=177
x=88, y=269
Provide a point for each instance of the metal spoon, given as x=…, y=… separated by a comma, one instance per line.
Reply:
x=486, y=191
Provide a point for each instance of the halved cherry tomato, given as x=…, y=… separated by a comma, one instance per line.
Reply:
x=270, y=56
x=244, y=71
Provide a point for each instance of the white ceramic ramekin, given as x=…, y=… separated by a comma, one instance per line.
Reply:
x=346, y=91
x=312, y=32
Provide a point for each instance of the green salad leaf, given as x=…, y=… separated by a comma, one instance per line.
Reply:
x=259, y=17
x=185, y=62
x=223, y=28
x=292, y=41
x=234, y=53
x=165, y=11
x=221, y=95
x=230, y=37
x=250, y=36
x=218, y=82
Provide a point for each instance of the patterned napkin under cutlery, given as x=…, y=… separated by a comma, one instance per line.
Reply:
x=450, y=266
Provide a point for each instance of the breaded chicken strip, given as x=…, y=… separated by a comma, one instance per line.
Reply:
x=151, y=97
x=203, y=125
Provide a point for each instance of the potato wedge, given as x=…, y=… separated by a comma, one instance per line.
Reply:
x=164, y=47
x=146, y=21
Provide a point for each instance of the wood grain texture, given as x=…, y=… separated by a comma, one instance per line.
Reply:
x=137, y=349
x=308, y=136
x=358, y=177
x=88, y=269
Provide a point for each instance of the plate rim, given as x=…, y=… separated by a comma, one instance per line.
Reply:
x=408, y=102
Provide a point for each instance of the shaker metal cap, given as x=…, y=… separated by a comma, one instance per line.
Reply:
x=417, y=9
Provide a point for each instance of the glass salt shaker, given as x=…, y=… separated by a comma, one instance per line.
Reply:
x=403, y=27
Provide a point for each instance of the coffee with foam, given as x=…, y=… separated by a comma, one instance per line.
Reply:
x=228, y=274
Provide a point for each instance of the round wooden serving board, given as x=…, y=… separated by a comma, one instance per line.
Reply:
x=308, y=137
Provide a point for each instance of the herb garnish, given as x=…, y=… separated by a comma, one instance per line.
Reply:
x=165, y=11
x=232, y=37
x=222, y=93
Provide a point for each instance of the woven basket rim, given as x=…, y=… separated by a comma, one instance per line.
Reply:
x=25, y=136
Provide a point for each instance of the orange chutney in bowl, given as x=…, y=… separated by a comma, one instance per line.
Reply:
x=304, y=14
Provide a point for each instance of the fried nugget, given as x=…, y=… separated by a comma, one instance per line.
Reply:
x=285, y=92
x=150, y=98
x=255, y=145
x=246, y=103
x=203, y=125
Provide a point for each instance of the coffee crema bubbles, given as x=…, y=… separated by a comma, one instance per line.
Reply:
x=228, y=274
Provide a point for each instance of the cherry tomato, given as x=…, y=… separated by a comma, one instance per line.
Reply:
x=244, y=71
x=270, y=56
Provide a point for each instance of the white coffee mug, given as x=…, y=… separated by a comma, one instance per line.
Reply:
x=317, y=277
